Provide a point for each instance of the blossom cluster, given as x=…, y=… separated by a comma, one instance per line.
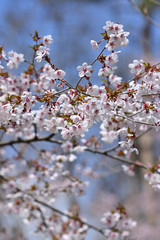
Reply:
x=118, y=224
x=74, y=114
x=117, y=36
x=153, y=176
x=41, y=102
x=44, y=50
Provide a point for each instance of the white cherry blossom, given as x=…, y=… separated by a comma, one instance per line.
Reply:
x=137, y=66
x=14, y=59
x=42, y=51
x=105, y=71
x=94, y=45
x=47, y=40
x=84, y=70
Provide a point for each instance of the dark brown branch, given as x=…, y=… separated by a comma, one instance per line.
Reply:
x=27, y=141
x=124, y=160
x=101, y=152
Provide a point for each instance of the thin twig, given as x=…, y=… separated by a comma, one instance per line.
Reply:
x=97, y=58
x=151, y=95
x=49, y=139
x=53, y=208
x=124, y=160
x=139, y=122
x=36, y=139
x=144, y=14
x=155, y=2
x=143, y=133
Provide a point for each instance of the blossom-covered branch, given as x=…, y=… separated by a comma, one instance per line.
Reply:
x=41, y=105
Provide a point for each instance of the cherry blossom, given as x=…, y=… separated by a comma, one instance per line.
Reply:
x=14, y=59
x=153, y=179
x=137, y=66
x=110, y=219
x=115, y=80
x=59, y=74
x=117, y=36
x=94, y=45
x=42, y=51
x=113, y=28
x=84, y=70
x=105, y=71
x=47, y=40
x=128, y=170
x=112, y=58
x=118, y=225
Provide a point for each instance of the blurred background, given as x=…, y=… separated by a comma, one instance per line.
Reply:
x=73, y=23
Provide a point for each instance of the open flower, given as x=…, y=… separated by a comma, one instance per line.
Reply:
x=42, y=51
x=47, y=40
x=84, y=70
x=15, y=59
x=94, y=45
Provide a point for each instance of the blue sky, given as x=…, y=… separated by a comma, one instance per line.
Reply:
x=73, y=24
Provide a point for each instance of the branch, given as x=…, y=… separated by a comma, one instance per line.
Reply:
x=155, y=2
x=98, y=56
x=145, y=14
x=53, y=209
x=67, y=215
x=35, y=139
x=124, y=160
x=115, y=157
x=102, y=152
x=151, y=95
x=91, y=65
x=135, y=121
x=42, y=217
x=143, y=133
